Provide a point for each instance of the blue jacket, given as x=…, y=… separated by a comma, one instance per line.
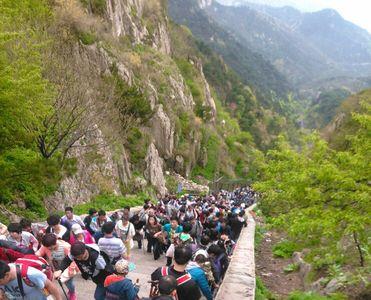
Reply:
x=124, y=289
x=198, y=275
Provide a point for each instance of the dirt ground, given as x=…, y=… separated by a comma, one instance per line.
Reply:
x=270, y=269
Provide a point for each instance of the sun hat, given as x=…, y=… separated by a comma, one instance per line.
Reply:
x=76, y=229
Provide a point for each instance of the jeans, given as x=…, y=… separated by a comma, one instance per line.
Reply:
x=100, y=292
x=70, y=285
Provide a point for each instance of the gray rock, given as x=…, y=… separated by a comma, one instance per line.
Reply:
x=154, y=173
x=190, y=186
x=179, y=164
x=304, y=268
x=333, y=285
x=96, y=173
x=162, y=132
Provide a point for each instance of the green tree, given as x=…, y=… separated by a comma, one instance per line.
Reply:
x=320, y=196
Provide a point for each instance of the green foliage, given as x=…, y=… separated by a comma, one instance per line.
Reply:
x=25, y=100
x=259, y=235
x=96, y=6
x=261, y=292
x=171, y=184
x=212, y=144
x=291, y=268
x=130, y=100
x=321, y=196
x=324, y=108
x=314, y=296
x=137, y=144
x=111, y=202
x=87, y=38
x=284, y=249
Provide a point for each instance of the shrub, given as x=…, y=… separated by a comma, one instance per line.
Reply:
x=87, y=38
x=284, y=249
x=313, y=296
x=97, y=6
x=291, y=268
x=111, y=202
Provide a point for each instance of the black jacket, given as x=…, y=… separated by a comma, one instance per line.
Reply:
x=187, y=291
x=96, y=267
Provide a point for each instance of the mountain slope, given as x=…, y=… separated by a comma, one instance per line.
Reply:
x=252, y=67
x=111, y=99
x=291, y=54
x=306, y=47
x=343, y=126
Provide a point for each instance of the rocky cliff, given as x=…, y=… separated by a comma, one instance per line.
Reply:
x=144, y=118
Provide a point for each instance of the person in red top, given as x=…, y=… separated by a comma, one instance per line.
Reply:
x=79, y=234
x=118, y=286
x=9, y=255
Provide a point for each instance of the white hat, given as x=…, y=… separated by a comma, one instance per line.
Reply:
x=76, y=229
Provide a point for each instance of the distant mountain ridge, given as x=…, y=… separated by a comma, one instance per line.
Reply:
x=249, y=65
x=304, y=47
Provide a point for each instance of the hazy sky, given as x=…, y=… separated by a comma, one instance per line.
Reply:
x=356, y=11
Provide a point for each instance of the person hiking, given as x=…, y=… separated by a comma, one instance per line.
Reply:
x=153, y=230
x=70, y=218
x=187, y=288
x=126, y=231
x=92, y=264
x=112, y=246
x=55, y=226
x=33, y=285
x=97, y=223
x=195, y=268
x=166, y=289
x=89, y=218
x=118, y=287
x=55, y=250
x=20, y=238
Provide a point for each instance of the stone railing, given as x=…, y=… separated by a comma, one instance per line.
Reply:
x=239, y=280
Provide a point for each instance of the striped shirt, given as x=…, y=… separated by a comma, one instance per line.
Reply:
x=112, y=246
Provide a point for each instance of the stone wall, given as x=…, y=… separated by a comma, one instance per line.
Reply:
x=239, y=280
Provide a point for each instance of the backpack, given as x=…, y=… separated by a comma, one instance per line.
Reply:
x=164, y=272
x=22, y=265
x=180, y=280
x=36, y=262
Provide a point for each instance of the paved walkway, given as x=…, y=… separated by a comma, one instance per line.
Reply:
x=145, y=265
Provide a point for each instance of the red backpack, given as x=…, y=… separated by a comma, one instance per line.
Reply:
x=36, y=262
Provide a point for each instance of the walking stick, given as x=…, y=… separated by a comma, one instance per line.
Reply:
x=64, y=292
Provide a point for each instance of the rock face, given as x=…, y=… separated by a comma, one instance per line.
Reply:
x=125, y=17
x=178, y=92
x=120, y=13
x=209, y=100
x=161, y=39
x=96, y=173
x=154, y=172
x=162, y=132
x=107, y=167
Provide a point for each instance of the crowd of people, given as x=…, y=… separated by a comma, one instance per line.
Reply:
x=195, y=234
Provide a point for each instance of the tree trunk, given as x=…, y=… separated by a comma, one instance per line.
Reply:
x=359, y=249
